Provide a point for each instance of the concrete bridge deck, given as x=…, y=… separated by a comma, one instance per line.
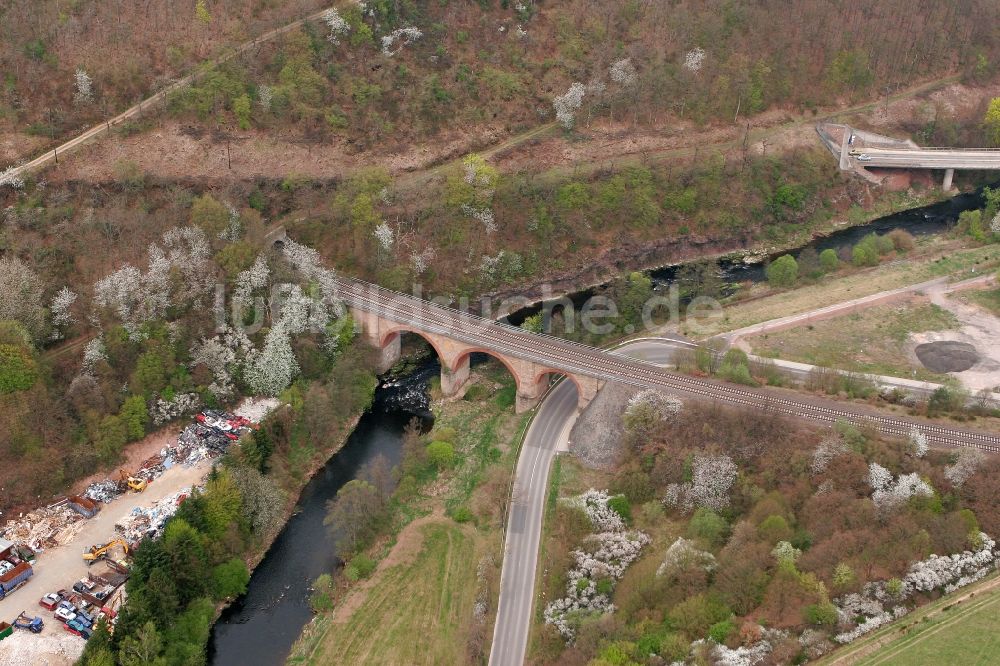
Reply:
x=858, y=150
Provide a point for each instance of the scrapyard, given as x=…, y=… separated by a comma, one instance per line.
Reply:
x=72, y=556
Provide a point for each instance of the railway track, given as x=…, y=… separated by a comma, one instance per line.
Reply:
x=564, y=356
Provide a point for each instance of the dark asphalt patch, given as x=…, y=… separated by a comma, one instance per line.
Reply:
x=947, y=356
x=518, y=518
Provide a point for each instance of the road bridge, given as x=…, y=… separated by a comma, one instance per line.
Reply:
x=858, y=150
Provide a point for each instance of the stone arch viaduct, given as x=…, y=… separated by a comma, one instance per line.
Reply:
x=532, y=377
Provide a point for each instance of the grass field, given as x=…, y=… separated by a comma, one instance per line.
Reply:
x=988, y=298
x=416, y=612
x=870, y=341
x=960, y=629
x=966, y=636
x=933, y=258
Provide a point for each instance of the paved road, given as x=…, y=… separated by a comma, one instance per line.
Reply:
x=945, y=158
x=148, y=103
x=547, y=433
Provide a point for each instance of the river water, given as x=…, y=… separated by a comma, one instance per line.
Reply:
x=261, y=627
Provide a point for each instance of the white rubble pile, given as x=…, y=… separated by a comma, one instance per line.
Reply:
x=143, y=521
x=43, y=528
x=52, y=646
x=102, y=491
x=256, y=409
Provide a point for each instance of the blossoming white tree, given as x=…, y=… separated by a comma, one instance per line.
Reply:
x=918, y=442
x=889, y=494
x=712, y=478
x=93, y=353
x=694, y=59
x=683, y=554
x=603, y=560
x=404, y=36
x=271, y=370
x=421, y=261
x=84, y=87
x=21, y=295
x=8, y=178
x=264, y=96
x=623, y=72
x=60, y=311
x=567, y=104
x=965, y=466
x=880, y=602
x=337, y=24
x=383, y=234
x=825, y=452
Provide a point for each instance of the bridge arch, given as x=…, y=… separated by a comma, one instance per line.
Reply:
x=455, y=356
x=391, y=335
x=462, y=363
x=586, y=387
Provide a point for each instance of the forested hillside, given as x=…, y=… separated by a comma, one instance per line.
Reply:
x=402, y=71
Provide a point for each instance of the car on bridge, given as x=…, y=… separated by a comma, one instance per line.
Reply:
x=864, y=157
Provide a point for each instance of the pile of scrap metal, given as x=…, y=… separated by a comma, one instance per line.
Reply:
x=102, y=491
x=143, y=522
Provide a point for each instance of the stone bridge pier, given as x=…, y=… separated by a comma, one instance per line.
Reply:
x=532, y=379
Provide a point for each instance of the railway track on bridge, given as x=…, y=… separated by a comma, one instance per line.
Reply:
x=564, y=356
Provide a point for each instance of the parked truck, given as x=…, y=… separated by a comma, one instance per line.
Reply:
x=15, y=578
x=32, y=624
x=5, y=630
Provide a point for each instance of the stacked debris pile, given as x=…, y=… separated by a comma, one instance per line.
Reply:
x=142, y=521
x=102, y=491
x=48, y=527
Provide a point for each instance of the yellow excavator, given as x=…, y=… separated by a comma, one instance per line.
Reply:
x=134, y=483
x=95, y=553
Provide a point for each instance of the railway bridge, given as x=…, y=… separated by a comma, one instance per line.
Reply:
x=533, y=358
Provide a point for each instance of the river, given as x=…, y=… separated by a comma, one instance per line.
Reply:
x=261, y=626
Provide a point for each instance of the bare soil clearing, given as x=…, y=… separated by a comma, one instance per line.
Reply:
x=172, y=151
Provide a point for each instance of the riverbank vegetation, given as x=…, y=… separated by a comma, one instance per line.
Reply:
x=179, y=580
x=767, y=537
x=432, y=545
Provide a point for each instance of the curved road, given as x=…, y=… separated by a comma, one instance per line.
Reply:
x=546, y=435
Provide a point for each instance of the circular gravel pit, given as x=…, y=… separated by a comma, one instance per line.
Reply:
x=947, y=356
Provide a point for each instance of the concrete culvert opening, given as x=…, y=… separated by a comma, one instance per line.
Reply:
x=947, y=356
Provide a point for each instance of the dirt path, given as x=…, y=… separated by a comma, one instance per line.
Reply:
x=171, y=151
x=980, y=328
x=149, y=104
x=408, y=544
